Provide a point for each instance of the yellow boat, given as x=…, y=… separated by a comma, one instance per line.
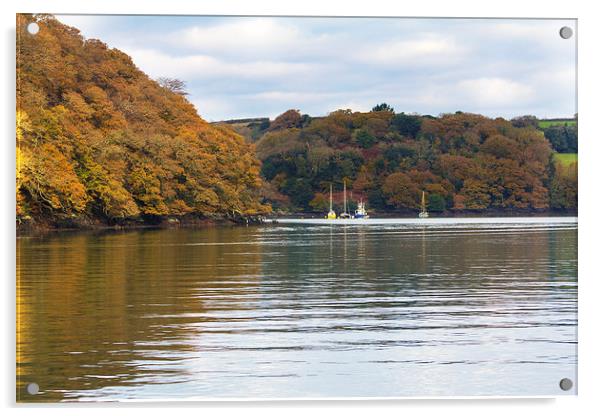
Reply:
x=331, y=214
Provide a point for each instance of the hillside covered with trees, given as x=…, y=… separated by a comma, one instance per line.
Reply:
x=463, y=162
x=99, y=141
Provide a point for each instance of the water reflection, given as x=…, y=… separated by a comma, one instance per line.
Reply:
x=297, y=311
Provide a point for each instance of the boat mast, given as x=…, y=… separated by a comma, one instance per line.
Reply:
x=344, y=196
x=423, y=203
x=330, y=197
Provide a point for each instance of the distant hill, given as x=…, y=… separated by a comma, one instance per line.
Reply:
x=462, y=161
x=98, y=140
x=251, y=128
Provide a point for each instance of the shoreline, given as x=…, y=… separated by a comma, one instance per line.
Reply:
x=432, y=222
x=445, y=214
x=32, y=228
x=89, y=225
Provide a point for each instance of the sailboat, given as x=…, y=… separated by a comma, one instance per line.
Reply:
x=360, y=212
x=423, y=212
x=344, y=214
x=331, y=214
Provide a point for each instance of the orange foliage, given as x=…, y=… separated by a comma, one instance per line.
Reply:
x=101, y=139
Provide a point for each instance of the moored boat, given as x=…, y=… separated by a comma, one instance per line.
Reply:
x=345, y=215
x=360, y=212
x=331, y=214
x=423, y=212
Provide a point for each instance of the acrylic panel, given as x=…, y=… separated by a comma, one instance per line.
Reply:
x=220, y=207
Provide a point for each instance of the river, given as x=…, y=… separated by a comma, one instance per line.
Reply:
x=300, y=309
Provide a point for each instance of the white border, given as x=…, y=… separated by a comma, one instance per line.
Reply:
x=590, y=202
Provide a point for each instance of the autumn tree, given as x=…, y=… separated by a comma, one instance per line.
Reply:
x=286, y=120
x=474, y=195
x=525, y=121
x=173, y=84
x=97, y=139
x=401, y=191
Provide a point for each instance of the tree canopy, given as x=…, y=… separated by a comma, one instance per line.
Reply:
x=461, y=161
x=97, y=138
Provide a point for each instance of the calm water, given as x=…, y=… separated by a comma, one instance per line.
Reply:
x=299, y=310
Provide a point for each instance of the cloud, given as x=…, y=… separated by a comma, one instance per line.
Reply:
x=494, y=92
x=192, y=67
x=428, y=50
x=542, y=32
x=238, y=34
x=261, y=66
x=292, y=96
x=213, y=106
x=85, y=23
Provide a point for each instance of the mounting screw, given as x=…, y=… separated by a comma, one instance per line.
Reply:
x=33, y=388
x=33, y=28
x=566, y=384
x=566, y=32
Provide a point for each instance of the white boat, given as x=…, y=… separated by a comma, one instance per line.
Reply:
x=423, y=212
x=360, y=212
x=345, y=215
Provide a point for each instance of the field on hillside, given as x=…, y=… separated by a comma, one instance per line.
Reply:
x=544, y=124
x=565, y=159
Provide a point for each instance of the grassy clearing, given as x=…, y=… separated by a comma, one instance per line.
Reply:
x=565, y=159
x=543, y=124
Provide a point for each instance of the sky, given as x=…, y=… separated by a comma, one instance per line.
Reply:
x=239, y=67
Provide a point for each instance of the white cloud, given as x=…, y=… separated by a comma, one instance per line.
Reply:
x=292, y=96
x=191, y=67
x=542, y=32
x=214, y=106
x=492, y=92
x=239, y=34
x=426, y=50
x=87, y=24
x=239, y=67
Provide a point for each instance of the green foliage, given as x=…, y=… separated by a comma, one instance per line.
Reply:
x=436, y=203
x=406, y=125
x=320, y=202
x=299, y=191
x=383, y=107
x=562, y=137
x=563, y=184
x=563, y=192
x=364, y=139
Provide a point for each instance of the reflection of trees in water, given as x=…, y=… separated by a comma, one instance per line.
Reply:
x=131, y=305
x=412, y=261
x=97, y=305
x=563, y=250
